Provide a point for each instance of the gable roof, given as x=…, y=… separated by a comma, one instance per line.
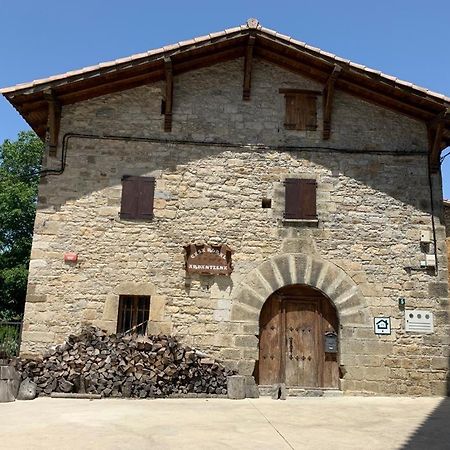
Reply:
x=31, y=99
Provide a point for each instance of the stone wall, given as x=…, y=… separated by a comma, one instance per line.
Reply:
x=372, y=205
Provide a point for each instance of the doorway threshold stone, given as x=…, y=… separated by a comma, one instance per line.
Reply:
x=268, y=391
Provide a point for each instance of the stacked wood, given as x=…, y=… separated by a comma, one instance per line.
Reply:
x=125, y=365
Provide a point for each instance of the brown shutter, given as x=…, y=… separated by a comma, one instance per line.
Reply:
x=310, y=112
x=308, y=199
x=129, y=202
x=137, y=197
x=300, y=199
x=146, y=197
x=291, y=119
x=301, y=111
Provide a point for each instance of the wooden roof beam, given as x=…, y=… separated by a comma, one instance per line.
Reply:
x=248, y=67
x=53, y=121
x=168, y=103
x=328, y=96
x=443, y=116
x=436, y=138
x=384, y=100
x=392, y=88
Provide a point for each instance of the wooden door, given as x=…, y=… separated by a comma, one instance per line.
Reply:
x=293, y=323
x=301, y=349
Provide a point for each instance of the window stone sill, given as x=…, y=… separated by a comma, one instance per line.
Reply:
x=309, y=222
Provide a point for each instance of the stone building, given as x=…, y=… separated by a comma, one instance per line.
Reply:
x=265, y=201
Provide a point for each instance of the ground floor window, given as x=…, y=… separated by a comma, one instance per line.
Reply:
x=133, y=313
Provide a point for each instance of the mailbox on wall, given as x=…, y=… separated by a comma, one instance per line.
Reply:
x=331, y=342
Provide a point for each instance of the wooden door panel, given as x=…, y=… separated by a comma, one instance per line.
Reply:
x=270, y=342
x=302, y=361
x=330, y=366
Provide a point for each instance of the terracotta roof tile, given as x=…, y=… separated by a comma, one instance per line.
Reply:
x=216, y=34
x=284, y=37
x=299, y=43
x=201, y=39
x=232, y=30
x=324, y=53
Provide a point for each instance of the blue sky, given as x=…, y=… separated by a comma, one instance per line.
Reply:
x=405, y=38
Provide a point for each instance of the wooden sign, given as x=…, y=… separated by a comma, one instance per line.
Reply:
x=208, y=259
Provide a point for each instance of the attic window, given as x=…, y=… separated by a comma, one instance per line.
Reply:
x=301, y=109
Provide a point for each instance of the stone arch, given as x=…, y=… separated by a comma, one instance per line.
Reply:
x=299, y=268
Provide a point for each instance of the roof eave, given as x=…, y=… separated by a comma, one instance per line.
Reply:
x=143, y=68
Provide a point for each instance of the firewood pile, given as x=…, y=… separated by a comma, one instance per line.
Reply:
x=125, y=366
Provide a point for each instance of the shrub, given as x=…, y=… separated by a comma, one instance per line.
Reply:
x=9, y=340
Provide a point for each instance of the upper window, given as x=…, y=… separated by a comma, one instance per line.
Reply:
x=300, y=199
x=133, y=313
x=301, y=109
x=137, y=197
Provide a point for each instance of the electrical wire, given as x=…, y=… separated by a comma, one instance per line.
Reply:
x=69, y=136
x=260, y=147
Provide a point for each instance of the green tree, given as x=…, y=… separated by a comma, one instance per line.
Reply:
x=19, y=178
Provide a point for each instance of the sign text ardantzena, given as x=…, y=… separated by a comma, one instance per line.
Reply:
x=208, y=259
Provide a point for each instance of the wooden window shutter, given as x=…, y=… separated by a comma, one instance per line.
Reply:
x=129, y=202
x=146, y=197
x=310, y=112
x=137, y=197
x=301, y=110
x=291, y=118
x=300, y=199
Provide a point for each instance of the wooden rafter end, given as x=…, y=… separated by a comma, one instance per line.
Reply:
x=53, y=121
x=168, y=70
x=328, y=95
x=248, y=68
x=435, y=142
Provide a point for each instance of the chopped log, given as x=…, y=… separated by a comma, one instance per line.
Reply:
x=125, y=366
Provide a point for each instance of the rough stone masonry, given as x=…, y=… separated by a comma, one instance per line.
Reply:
x=373, y=202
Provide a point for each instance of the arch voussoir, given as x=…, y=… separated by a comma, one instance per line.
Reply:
x=244, y=313
x=343, y=297
x=258, y=284
x=353, y=316
x=353, y=300
x=266, y=273
x=250, y=297
x=301, y=268
x=333, y=281
x=298, y=268
x=282, y=266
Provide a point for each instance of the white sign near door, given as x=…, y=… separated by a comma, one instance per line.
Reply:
x=382, y=325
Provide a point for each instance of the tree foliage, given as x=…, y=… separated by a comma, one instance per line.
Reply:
x=19, y=178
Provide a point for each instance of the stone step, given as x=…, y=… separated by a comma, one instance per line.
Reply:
x=293, y=391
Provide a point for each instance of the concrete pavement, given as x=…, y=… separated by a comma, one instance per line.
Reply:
x=299, y=423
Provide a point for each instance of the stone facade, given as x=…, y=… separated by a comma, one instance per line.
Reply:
x=223, y=156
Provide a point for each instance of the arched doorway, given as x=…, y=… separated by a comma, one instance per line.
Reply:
x=293, y=349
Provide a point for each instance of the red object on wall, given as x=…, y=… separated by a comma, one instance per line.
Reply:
x=72, y=257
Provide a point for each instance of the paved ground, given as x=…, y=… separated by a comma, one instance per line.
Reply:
x=299, y=423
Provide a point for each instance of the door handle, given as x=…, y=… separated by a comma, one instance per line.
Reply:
x=290, y=348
